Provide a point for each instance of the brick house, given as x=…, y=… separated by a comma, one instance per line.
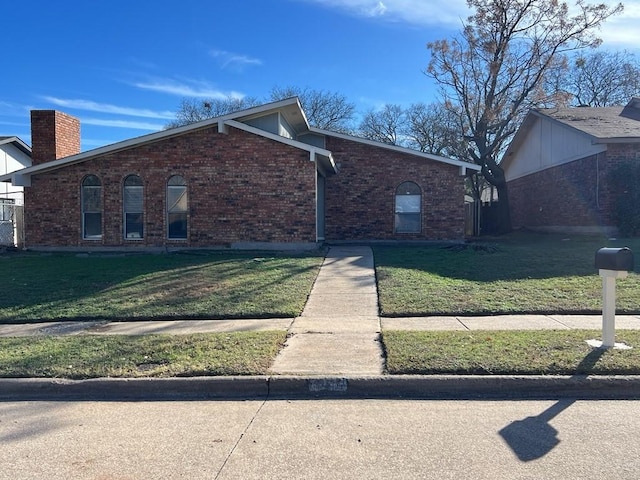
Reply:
x=259, y=178
x=558, y=166
x=14, y=155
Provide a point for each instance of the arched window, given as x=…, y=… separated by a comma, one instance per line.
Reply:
x=91, y=208
x=408, y=218
x=177, y=208
x=133, y=208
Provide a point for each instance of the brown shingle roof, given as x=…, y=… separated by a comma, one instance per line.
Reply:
x=601, y=122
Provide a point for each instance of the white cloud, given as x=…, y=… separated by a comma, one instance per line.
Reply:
x=378, y=10
x=188, y=88
x=92, y=106
x=234, y=61
x=417, y=12
x=622, y=30
x=619, y=31
x=123, y=124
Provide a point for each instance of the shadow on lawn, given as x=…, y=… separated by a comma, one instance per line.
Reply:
x=512, y=257
x=64, y=287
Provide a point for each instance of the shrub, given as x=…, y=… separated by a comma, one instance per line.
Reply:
x=626, y=182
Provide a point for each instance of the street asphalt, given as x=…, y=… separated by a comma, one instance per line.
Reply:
x=333, y=351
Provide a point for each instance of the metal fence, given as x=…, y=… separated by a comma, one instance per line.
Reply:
x=11, y=223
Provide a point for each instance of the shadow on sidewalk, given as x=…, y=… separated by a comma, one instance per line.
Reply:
x=534, y=437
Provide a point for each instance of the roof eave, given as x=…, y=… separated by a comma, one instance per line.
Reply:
x=616, y=140
x=18, y=143
x=428, y=156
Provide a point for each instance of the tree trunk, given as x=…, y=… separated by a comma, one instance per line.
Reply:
x=504, y=214
x=494, y=174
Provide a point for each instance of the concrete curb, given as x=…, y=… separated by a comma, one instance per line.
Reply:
x=333, y=387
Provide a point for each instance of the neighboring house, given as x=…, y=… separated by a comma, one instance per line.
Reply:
x=559, y=162
x=259, y=178
x=14, y=155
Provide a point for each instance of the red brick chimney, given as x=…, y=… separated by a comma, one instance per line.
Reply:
x=53, y=135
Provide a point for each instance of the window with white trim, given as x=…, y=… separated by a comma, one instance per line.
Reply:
x=91, y=198
x=408, y=208
x=177, y=208
x=132, y=202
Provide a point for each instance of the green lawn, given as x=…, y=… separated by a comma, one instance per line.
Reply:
x=518, y=273
x=542, y=352
x=39, y=287
x=86, y=356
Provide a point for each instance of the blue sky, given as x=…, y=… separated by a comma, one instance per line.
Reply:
x=122, y=67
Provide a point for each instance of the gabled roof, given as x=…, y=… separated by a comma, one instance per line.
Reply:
x=604, y=124
x=289, y=108
x=601, y=125
x=16, y=143
x=395, y=148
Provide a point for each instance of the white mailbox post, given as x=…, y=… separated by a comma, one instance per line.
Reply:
x=612, y=263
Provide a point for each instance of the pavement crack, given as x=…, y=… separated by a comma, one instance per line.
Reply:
x=235, y=446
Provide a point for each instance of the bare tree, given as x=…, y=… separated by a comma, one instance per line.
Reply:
x=193, y=110
x=431, y=128
x=495, y=70
x=385, y=125
x=324, y=109
x=602, y=79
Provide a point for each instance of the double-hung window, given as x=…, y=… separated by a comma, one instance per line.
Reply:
x=177, y=208
x=133, y=208
x=91, y=208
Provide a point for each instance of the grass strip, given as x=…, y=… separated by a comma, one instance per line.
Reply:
x=87, y=356
x=556, y=352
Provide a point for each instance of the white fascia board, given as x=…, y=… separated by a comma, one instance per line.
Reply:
x=18, y=180
x=261, y=108
x=395, y=148
x=19, y=143
x=317, y=153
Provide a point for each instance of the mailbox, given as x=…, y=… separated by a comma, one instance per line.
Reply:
x=619, y=259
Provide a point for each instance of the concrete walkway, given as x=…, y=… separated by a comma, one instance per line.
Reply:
x=338, y=332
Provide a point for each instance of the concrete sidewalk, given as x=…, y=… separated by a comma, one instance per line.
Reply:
x=180, y=327
x=508, y=322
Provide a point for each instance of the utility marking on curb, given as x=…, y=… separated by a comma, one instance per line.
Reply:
x=328, y=384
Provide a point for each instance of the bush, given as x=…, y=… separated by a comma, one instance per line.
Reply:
x=626, y=182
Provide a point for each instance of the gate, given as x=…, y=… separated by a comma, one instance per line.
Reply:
x=11, y=223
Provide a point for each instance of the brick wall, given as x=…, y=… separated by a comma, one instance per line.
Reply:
x=53, y=135
x=241, y=187
x=360, y=200
x=576, y=194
